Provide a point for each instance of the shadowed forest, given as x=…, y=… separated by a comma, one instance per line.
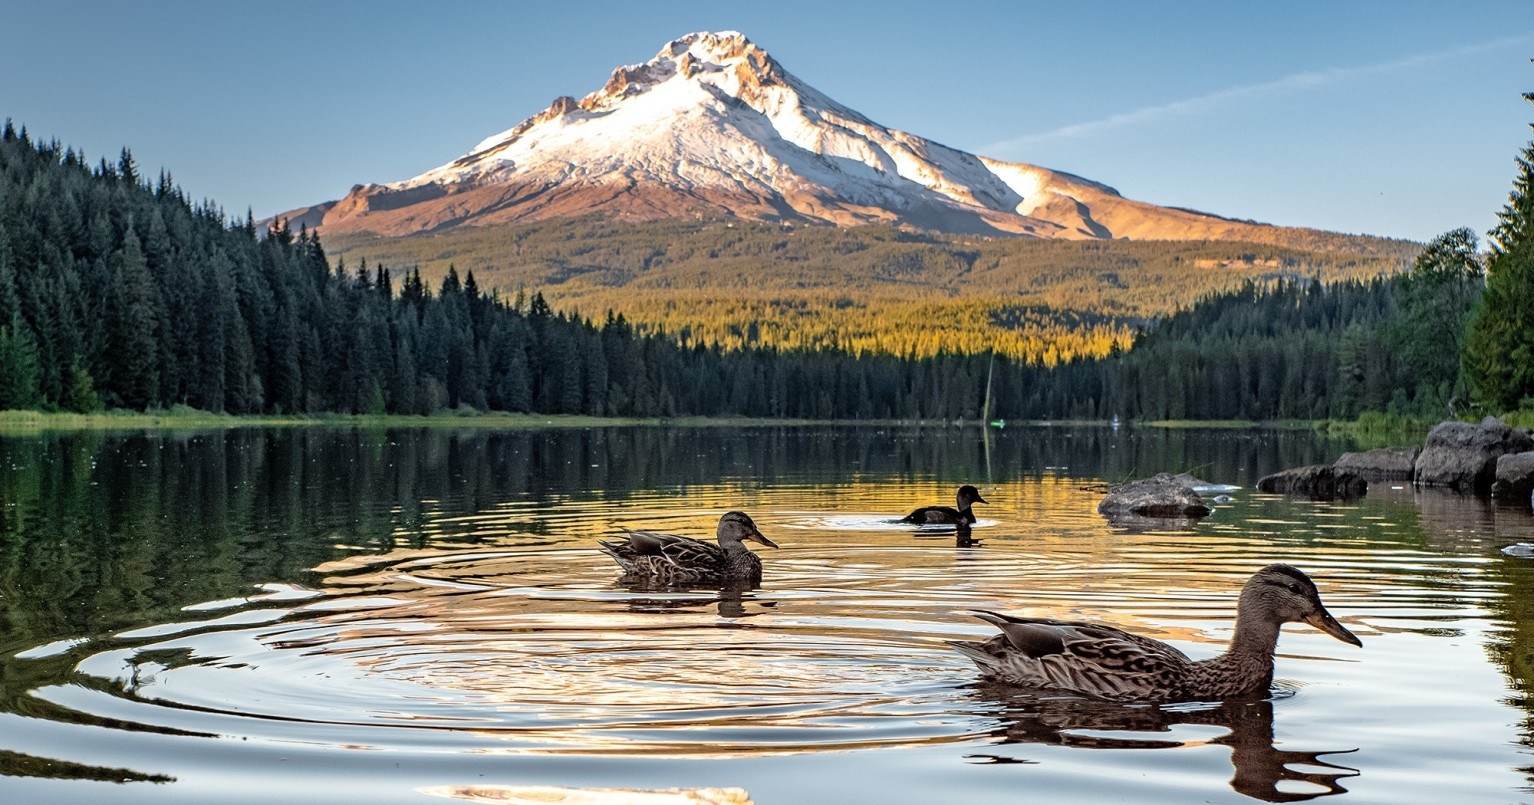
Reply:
x=119, y=292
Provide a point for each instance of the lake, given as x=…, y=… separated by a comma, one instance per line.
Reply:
x=351, y=615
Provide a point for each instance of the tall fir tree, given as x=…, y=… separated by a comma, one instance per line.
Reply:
x=19, y=366
x=1499, y=346
x=131, y=368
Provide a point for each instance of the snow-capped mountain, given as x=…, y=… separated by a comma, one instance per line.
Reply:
x=714, y=127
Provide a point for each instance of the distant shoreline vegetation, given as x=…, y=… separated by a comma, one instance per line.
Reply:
x=182, y=418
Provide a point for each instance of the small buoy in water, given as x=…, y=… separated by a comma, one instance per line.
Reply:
x=1223, y=498
x=1521, y=549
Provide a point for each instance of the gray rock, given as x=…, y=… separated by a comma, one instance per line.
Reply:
x=1381, y=464
x=1196, y=484
x=1515, y=476
x=1464, y=457
x=1159, y=496
x=1317, y=482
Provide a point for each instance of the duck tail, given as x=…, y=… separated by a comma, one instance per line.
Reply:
x=996, y=619
x=975, y=651
x=611, y=549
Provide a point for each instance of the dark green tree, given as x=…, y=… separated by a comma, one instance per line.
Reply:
x=1499, y=345
x=19, y=366
x=132, y=356
x=1437, y=298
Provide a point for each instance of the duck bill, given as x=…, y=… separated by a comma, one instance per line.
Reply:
x=758, y=537
x=1324, y=621
x=979, y=499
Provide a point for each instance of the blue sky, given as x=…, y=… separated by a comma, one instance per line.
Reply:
x=1390, y=118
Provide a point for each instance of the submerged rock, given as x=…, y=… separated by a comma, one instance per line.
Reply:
x=1317, y=482
x=1162, y=495
x=1515, y=476
x=1464, y=456
x=1381, y=464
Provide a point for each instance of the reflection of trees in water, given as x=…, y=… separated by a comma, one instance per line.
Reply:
x=1260, y=767
x=1513, y=649
x=17, y=764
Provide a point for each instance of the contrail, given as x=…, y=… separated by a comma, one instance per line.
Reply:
x=1295, y=81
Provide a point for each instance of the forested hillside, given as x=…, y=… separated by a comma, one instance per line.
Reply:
x=870, y=289
x=119, y=292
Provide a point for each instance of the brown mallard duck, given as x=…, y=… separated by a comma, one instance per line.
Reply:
x=668, y=559
x=947, y=515
x=1112, y=664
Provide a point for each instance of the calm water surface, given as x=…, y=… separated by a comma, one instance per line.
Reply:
x=403, y=616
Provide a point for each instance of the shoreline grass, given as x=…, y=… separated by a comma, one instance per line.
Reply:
x=184, y=418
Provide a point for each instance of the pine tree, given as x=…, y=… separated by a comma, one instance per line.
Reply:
x=19, y=366
x=1437, y=298
x=1499, y=346
x=132, y=362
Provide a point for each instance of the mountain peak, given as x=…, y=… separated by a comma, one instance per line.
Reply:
x=726, y=60
x=713, y=127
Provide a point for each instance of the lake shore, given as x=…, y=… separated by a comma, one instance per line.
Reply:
x=24, y=422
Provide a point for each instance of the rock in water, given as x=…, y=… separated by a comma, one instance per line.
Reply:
x=1463, y=456
x=1158, y=496
x=1317, y=482
x=1382, y=464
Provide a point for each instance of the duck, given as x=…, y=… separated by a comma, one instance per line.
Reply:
x=1108, y=663
x=946, y=515
x=669, y=559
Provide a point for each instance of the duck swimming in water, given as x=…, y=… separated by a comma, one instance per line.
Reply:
x=668, y=559
x=1109, y=663
x=946, y=515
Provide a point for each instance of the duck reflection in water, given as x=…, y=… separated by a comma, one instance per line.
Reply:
x=962, y=537
x=732, y=600
x=1260, y=767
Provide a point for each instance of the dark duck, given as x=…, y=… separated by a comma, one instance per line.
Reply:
x=947, y=515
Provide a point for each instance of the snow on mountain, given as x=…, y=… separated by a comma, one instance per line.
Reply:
x=712, y=126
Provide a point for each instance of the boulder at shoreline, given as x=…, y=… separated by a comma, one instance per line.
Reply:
x=1515, y=476
x=1381, y=464
x=1317, y=482
x=1463, y=456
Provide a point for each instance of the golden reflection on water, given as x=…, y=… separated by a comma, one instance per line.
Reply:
x=498, y=629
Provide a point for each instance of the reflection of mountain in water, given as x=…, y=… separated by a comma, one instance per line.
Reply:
x=1260, y=767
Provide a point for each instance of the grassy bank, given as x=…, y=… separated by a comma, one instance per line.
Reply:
x=1378, y=430
x=181, y=418
x=1373, y=429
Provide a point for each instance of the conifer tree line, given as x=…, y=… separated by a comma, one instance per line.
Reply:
x=119, y=292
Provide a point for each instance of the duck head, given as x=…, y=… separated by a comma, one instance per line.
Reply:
x=737, y=526
x=968, y=495
x=1282, y=594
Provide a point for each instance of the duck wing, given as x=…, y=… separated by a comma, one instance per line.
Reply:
x=1077, y=656
x=684, y=552
x=933, y=514
x=1038, y=637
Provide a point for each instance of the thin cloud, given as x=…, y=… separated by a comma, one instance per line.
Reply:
x=1289, y=83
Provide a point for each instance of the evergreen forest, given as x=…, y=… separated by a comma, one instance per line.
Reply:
x=119, y=292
